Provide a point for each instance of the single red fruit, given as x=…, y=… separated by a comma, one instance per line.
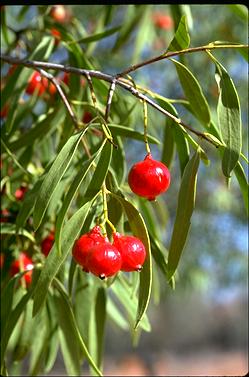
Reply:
x=149, y=178
x=37, y=82
x=132, y=251
x=84, y=245
x=57, y=35
x=47, y=244
x=87, y=117
x=104, y=260
x=23, y=263
x=2, y=259
x=163, y=21
x=20, y=192
x=4, y=215
x=4, y=111
x=65, y=78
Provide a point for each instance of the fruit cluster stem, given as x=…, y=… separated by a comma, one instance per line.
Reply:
x=145, y=110
x=105, y=208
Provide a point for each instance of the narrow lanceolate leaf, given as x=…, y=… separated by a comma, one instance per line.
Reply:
x=98, y=36
x=139, y=230
x=8, y=228
x=70, y=326
x=185, y=207
x=54, y=261
x=241, y=177
x=193, y=93
x=71, y=194
x=181, y=38
x=97, y=326
x=229, y=118
x=54, y=176
x=116, y=129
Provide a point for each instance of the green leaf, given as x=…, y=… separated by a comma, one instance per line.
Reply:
x=98, y=36
x=181, y=38
x=54, y=176
x=25, y=340
x=168, y=145
x=68, y=338
x=193, y=93
x=8, y=228
x=115, y=315
x=127, y=132
x=185, y=207
x=54, y=261
x=125, y=295
x=229, y=117
x=144, y=35
x=139, y=230
x=71, y=327
x=53, y=337
x=242, y=180
x=97, y=326
x=71, y=194
x=178, y=10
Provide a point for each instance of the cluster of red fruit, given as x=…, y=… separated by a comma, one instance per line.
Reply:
x=95, y=254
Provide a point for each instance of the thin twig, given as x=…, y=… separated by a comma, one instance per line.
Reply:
x=103, y=76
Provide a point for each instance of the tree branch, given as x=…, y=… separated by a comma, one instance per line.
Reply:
x=105, y=77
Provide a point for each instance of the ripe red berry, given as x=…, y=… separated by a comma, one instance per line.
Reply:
x=23, y=263
x=4, y=215
x=84, y=245
x=149, y=178
x=104, y=260
x=57, y=35
x=60, y=13
x=4, y=111
x=20, y=192
x=163, y=21
x=87, y=117
x=65, y=78
x=47, y=244
x=37, y=82
x=132, y=251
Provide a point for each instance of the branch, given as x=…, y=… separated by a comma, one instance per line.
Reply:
x=167, y=55
x=103, y=76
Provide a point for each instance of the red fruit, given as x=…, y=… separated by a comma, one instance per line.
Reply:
x=2, y=258
x=4, y=215
x=132, y=251
x=57, y=35
x=20, y=192
x=84, y=245
x=52, y=89
x=37, y=82
x=47, y=244
x=23, y=263
x=149, y=178
x=163, y=21
x=87, y=117
x=60, y=13
x=104, y=260
x=4, y=111
x=65, y=78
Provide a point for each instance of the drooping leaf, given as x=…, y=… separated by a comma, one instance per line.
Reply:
x=181, y=38
x=168, y=146
x=54, y=176
x=185, y=207
x=25, y=340
x=8, y=228
x=193, y=93
x=116, y=129
x=115, y=315
x=54, y=261
x=98, y=36
x=229, y=117
x=242, y=180
x=139, y=230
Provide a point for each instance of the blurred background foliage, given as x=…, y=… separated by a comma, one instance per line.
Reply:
x=213, y=272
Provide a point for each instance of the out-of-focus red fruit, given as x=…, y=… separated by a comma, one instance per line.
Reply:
x=47, y=244
x=23, y=263
x=65, y=78
x=4, y=215
x=60, y=13
x=57, y=35
x=37, y=82
x=163, y=21
x=84, y=245
x=2, y=258
x=149, y=178
x=20, y=192
x=12, y=70
x=87, y=117
x=132, y=251
x=52, y=89
x=4, y=111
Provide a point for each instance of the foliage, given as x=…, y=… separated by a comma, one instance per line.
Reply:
x=75, y=172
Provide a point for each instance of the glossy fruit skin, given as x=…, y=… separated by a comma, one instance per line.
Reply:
x=47, y=244
x=37, y=82
x=104, y=260
x=27, y=263
x=84, y=245
x=149, y=178
x=132, y=251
